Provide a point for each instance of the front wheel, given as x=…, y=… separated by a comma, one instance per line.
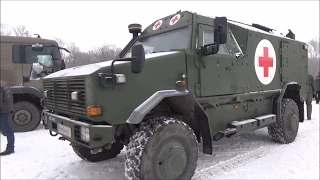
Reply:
x=162, y=148
x=26, y=116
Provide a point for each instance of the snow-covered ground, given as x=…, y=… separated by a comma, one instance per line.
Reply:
x=250, y=156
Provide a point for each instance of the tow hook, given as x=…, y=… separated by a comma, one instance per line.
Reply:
x=62, y=138
x=53, y=134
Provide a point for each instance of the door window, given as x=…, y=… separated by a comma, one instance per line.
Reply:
x=208, y=38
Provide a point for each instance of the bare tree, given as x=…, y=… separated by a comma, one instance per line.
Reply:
x=314, y=56
x=21, y=30
x=313, y=48
x=62, y=43
x=6, y=30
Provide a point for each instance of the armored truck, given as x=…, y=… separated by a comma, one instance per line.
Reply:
x=17, y=56
x=186, y=79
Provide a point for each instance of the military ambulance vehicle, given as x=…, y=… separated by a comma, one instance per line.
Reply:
x=17, y=56
x=185, y=79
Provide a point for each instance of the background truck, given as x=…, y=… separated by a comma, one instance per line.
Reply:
x=17, y=56
x=186, y=79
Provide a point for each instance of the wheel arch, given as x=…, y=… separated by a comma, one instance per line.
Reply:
x=183, y=103
x=26, y=93
x=290, y=90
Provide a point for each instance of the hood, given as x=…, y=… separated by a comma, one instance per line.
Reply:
x=91, y=68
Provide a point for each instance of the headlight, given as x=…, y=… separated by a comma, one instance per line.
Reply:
x=84, y=134
x=75, y=95
x=45, y=93
x=120, y=78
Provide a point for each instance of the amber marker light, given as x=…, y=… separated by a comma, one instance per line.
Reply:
x=181, y=83
x=94, y=110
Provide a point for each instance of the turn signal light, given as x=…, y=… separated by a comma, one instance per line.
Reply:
x=94, y=110
x=181, y=83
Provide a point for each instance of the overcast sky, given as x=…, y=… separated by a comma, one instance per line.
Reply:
x=90, y=24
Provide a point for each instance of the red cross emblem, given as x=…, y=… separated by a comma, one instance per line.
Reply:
x=265, y=62
x=174, y=19
x=157, y=25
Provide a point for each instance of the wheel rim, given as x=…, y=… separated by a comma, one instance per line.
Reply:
x=22, y=117
x=294, y=120
x=171, y=161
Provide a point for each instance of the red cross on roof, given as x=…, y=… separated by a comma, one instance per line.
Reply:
x=265, y=62
x=157, y=24
x=176, y=18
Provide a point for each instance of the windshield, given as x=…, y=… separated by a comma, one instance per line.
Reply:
x=32, y=56
x=45, y=60
x=177, y=39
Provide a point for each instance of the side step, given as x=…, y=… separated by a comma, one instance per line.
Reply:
x=240, y=127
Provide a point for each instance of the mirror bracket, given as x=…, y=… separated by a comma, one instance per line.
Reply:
x=123, y=59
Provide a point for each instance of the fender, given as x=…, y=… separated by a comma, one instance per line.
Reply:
x=202, y=118
x=280, y=97
x=26, y=90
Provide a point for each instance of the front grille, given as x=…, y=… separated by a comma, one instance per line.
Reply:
x=59, y=95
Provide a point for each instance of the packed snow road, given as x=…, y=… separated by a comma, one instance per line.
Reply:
x=250, y=156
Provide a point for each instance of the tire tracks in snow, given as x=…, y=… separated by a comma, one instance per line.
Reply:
x=216, y=169
x=213, y=169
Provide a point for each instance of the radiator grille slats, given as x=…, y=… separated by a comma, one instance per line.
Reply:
x=59, y=95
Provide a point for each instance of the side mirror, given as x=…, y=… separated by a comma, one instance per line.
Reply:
x=220, y=30
x=138, y=62
x=36, y=70
x=37, y=47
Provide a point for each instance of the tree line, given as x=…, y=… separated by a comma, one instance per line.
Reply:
x=107, y=52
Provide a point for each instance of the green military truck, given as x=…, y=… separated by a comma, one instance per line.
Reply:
x=185, y=79
x=17, y=56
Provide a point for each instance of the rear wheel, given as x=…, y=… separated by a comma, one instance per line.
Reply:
x=286, y=128
x=25, y=117
x=85, y=154
x=162, y=148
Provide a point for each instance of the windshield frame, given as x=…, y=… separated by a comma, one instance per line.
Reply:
x=189, y=46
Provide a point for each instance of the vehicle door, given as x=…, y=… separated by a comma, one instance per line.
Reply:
x=217, y=75
x=11, y=64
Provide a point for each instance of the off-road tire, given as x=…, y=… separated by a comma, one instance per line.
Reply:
x=150, y=138
x=35, y=116
x=85, y=154
x=286, y=128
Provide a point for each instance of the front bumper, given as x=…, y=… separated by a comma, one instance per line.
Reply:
x=71, y=130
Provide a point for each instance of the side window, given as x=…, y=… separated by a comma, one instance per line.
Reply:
x=208, y=39
x=31, y=56
x=232, y=45
x=16, y=54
